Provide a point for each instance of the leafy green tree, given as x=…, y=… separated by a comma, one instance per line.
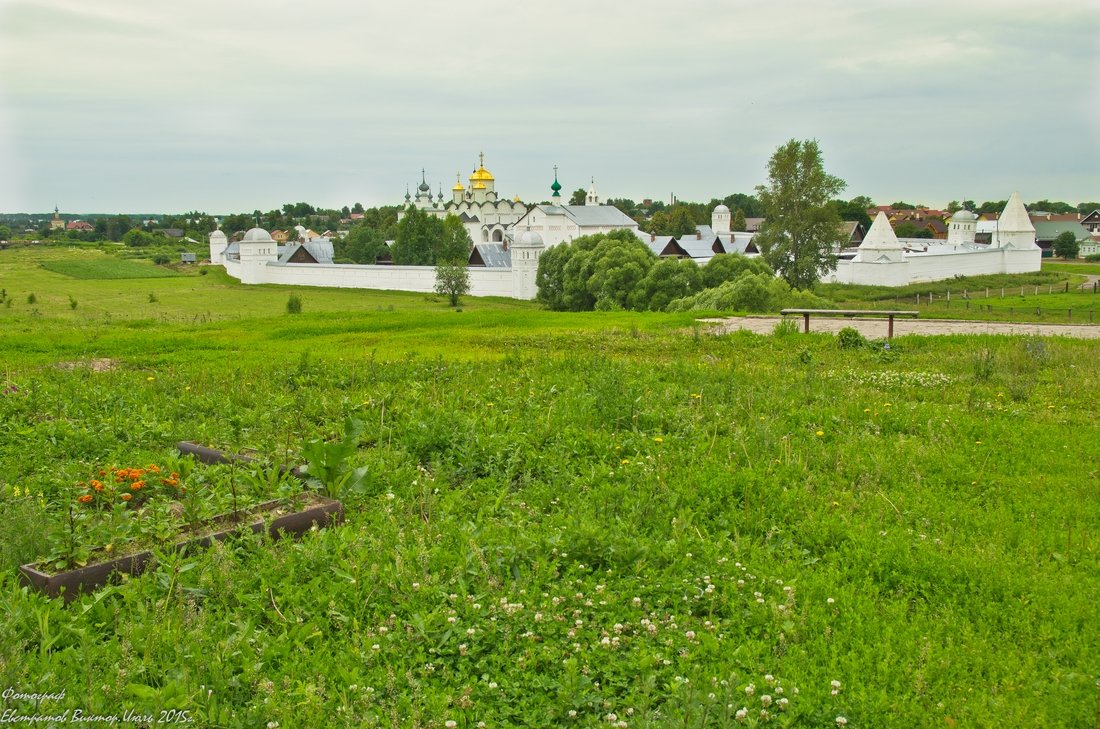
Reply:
x=729, y=266
x=1056, y=207
x=990, y=207
x=455, y=243
x=578, y=196
x=802, y=228
x=550, y=277
x=357, y=208
x=737, y=223
x=907, y=229
x=903, y=206
x=618, y=266
x=953, y=207
x=855, y=210
x=668, y=279
x=452, y=279
x=5, y=232
x=1066, y=245
x=626, y=206
x=137, y=238
x=363, y=244
x=748, y=203
x=603, y=267
x=1087, y=207
x=416, y=238
x=677, y=220
x=235, y=223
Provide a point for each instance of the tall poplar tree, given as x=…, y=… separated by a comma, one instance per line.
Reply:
x=801, y=231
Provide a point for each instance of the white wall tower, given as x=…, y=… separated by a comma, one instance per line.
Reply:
x=258, y=249
x=218, y=244
x=962, y=228
x=526, y=249
x=720, y=219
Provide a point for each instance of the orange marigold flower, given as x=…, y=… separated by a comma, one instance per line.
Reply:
x=137, y=485
x=125, y=497
x=154, y=468
x=85, y=498
x=171, y=482
x=102, y=472
x=175, y=475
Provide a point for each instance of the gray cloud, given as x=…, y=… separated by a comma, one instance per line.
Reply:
x=233, y=106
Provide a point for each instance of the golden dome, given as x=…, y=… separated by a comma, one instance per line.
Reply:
x=516, y=199
x=481, y=174
x=458, y=185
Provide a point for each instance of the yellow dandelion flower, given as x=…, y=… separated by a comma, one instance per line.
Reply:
x=658, y=439
x=820, y=433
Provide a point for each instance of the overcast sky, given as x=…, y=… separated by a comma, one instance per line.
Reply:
x=234, y=105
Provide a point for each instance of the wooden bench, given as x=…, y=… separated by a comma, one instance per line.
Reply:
x=888, y=313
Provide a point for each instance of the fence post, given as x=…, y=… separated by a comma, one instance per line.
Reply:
x=1071, y=314
x=1002, y=292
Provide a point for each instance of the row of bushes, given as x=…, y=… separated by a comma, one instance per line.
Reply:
x=618, y=271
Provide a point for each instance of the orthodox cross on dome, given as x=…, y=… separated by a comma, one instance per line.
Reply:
x=480, y=159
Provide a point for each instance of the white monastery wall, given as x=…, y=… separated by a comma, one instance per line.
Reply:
x=922, y=267
x=483, y=282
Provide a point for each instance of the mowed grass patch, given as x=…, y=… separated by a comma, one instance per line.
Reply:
x=104, y=267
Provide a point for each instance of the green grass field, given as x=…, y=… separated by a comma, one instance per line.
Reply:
x=567, y=519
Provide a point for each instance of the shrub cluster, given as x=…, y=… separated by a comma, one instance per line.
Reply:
x=617, y=271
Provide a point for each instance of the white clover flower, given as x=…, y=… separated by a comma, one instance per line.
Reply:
x=766, y=700
x=841, y=721
x=741, y=714
x=450, y=724
x=782, y=703
x=830, y=601
x=690, y=635
x=750, y=690
x=572, y=713
x=492, y=684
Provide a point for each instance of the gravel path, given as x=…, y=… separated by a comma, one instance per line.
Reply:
x=875, y=327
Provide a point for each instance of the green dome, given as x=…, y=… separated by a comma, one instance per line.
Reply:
x=556, y=186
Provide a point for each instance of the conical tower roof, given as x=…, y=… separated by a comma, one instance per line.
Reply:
x=1015, y=219
x=881, y=236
